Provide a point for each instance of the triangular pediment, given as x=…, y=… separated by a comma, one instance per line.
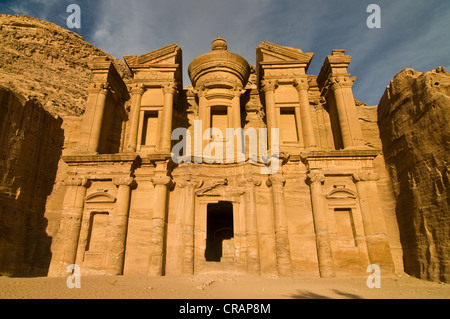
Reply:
x=270, y=52
x=170, y=54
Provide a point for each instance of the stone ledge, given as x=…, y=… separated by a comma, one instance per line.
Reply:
x=77, y=159
x=341, y=153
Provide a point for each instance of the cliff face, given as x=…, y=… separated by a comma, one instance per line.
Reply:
x=44, y=77
x=31, y=141
x=414, y=117
x=47, y=62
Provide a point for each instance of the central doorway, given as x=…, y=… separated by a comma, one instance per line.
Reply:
x=219, y=232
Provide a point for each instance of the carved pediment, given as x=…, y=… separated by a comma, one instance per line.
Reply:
x=210, y=187
x=341, y=193
x=270, y=52
x=170, y=54
x=100, y=197
x=220, y=188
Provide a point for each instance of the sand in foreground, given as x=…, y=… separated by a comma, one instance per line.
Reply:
x=220, y=286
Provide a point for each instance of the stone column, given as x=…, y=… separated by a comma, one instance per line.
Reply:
x=324, y=255
x=236, y=116
x=346, y=110
x=188, y=226
x=157, y=255
x=373, y=221
x=116, y=256
x=202, y=114
x=97, y=119
x=137, y=93
x=268, y=87
x=165, y=141
x=277, y=182
x=302, y=87
x=253, y=261
x=65, y=250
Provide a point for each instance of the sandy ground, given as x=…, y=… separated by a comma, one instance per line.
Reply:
x=220, y=286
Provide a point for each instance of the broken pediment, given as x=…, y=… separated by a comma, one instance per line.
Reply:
x=272, y=53
x=170, y=54
x=220, y=188
x=211, y=187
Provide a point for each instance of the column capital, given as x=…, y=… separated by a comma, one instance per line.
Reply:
x=276, y=180
x=126, y=181
x=301, y=83
x=341, y=81
x=82, y=181
x=138, y=88
x=315, y=177
x=99, y=88
x=161, y=180
x=269, y=85
x=237, y=90
x=169, y=88
x=201, y=91
x=365, y=176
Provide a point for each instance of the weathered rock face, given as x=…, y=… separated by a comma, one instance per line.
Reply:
x=31, y=142
x=48, y=62
x=44, y=75
x=414, y=117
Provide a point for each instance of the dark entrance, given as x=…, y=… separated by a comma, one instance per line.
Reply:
x=219, y=228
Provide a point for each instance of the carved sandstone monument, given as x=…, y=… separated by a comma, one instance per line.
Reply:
x=302, y=192
x=127, y=207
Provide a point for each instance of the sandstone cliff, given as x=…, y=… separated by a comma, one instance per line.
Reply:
x=44, y=75
x=413, y=118
x=47, y=62
x=31, y=141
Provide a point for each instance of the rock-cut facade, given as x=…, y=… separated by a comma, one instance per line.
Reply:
x=300, y=193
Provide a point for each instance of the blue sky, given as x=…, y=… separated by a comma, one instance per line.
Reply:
x=413, y=33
